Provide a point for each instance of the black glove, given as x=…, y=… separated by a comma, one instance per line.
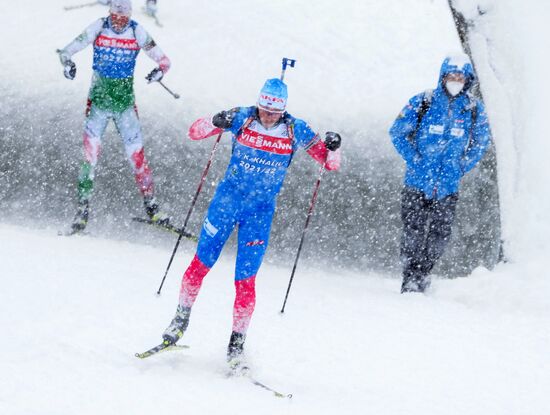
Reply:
x=332, y=140
x=69, y=69
x=224, y=119
x=155, y=75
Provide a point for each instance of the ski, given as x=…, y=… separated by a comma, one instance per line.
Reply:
x=273, y=391
x=71, y=232
x=244, y=371
x=167, y=227
x=241, y=371
x=152, y=16
x=163, y=347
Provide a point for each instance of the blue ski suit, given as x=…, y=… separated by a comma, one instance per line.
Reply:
x=247, y=194
x=446, y=144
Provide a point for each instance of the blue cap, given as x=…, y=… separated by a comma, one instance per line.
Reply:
x=273, y=96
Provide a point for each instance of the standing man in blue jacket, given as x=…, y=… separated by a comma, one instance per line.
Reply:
x=441, y=134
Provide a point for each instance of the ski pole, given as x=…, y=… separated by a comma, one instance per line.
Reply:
x=80, y=6
x=168, y=89
x=199, y=188
x=287, y=62
x=309, y=213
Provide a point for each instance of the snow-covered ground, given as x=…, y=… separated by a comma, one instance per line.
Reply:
x=73, y=311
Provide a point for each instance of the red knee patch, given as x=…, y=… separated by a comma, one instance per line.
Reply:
x=143, y=174
x=91, y=152
x=88, y=107
x=138, y=158
x=245, y=301
x=245, y=293
x=192, y=281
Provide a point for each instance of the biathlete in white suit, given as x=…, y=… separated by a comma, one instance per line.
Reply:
x=116, y=41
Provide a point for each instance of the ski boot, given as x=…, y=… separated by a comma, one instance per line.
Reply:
x=415, y=283
x=235, y=353
x=153, y=211
x=81, y=218
x=151, y=7
x=424, y=283
x=178, y=325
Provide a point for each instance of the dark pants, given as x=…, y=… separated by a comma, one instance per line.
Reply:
x=427, y=227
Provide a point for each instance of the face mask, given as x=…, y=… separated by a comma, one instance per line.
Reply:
x=454, y=87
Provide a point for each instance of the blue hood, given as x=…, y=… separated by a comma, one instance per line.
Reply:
x=458, y=64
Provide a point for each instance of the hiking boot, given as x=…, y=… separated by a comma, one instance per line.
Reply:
x=415, y=283
x=81, y=218
x=178, y=325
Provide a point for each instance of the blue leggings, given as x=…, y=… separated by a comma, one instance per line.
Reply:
x=253, y=217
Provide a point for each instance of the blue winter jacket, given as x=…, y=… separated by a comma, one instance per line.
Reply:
x=446, y=145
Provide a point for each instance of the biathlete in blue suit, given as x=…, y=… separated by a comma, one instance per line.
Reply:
x=441, y=135
x=265, y=138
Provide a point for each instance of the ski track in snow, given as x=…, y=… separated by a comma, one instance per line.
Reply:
x=77, y=309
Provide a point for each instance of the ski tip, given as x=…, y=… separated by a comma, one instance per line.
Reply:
x=71, y=233
x=163, y=347
x=282, y=395
x=167, y=227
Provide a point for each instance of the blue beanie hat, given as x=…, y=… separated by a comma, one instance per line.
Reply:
x=273, y=96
